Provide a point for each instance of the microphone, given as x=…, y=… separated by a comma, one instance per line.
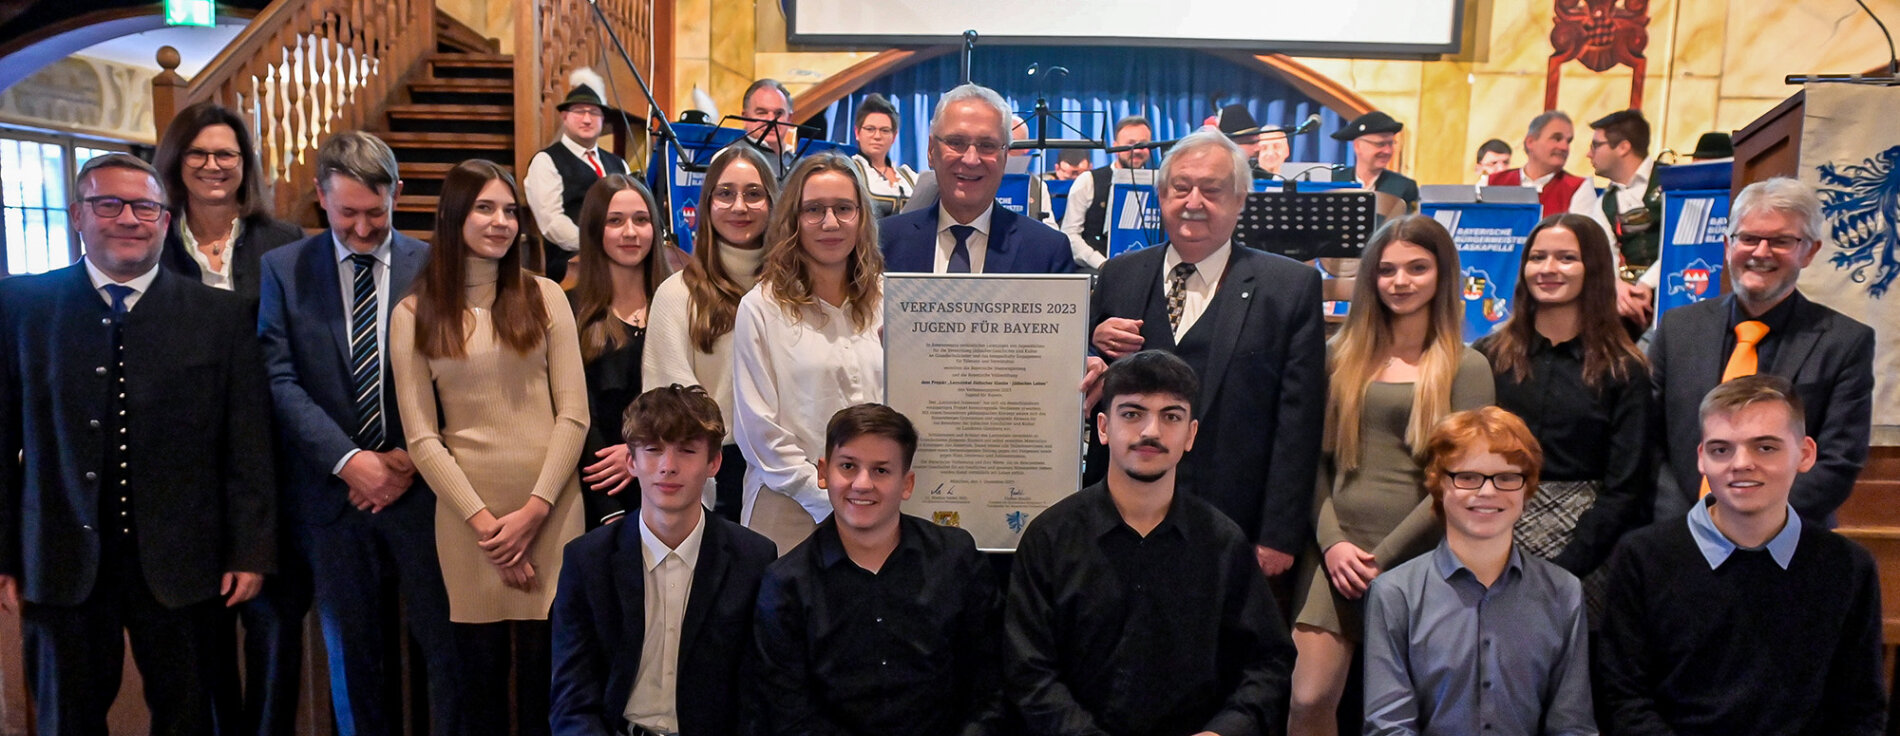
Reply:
x=1310, y=124
x=1033, y=67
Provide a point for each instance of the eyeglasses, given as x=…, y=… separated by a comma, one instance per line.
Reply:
x=196, y=158
x=727, y=196
x=814, y=214
x=871, y=130
x=1776, y=243
x=958, y=145
x=1501, y=481
x=110, y=207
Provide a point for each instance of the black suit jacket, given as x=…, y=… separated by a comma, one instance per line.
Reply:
x=1263, y=397
x=599, y=624
x=260, y=235
x=199, y=461
x=1829, y=358
x=304, y=328
x=1017, y=244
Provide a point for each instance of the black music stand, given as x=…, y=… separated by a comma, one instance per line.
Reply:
x=1308, y=225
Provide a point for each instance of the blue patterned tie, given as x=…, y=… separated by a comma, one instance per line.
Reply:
x=118, y=292
x=960, y=255
x=366, y=362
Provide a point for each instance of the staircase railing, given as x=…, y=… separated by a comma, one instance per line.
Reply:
x=300, y=71
x=555, y=37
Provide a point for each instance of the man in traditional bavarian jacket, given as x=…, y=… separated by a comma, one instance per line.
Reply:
x=559, y=175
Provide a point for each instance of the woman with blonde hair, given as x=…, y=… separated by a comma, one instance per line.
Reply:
x=1398, y=366
x=689, y=326
x=617, y=270
x=488, y=378
x=807, y=343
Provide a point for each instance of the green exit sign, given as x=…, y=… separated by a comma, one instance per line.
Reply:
x=190, y=13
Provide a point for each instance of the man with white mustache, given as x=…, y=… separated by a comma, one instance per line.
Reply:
x=1766, y=325
x=1248, y=323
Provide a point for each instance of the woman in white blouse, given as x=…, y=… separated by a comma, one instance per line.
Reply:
x=890, y=184
x=808, y=342
x=689, y=324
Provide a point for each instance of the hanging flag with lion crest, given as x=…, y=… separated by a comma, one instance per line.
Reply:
x=1851, y=157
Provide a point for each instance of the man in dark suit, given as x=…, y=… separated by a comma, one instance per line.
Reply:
x=1249, y=324
x=364, y=515
x=1374, y=138
x=669, y=590
x=968, y=232
x=144, y=503
x=1765, y=325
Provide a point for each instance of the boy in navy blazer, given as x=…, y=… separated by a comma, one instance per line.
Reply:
x=653, y=619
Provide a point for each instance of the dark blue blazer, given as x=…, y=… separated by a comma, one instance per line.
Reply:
x=304, y=327
x=200, y=468
x=599, y=624
x=1017, y=244
x=1263, y=395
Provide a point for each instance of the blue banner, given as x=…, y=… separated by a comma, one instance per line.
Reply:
x=1014, y=194
x=700, y=143
x=1490, y=240
x=1059, y=195
x=1693, y=223
x=1134, y=218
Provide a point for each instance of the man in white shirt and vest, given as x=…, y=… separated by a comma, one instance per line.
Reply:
x=559, y=175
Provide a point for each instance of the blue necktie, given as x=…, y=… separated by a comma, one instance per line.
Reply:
x=366, y=362
x=960, y=255
x=119, y=292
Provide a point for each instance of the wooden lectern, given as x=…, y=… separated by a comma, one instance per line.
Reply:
x=1768, y=147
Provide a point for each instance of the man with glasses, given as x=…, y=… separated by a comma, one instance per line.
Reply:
x=1478, y=636
x=1630, y=210
x=1766, y=325
x=969, y=231
x=145, y=504
x=560, y=175
x=1374, y=138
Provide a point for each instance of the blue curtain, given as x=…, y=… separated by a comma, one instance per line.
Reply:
x=1174, y=88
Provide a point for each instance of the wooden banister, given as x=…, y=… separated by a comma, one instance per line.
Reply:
x=555, y=37
x=303, y=69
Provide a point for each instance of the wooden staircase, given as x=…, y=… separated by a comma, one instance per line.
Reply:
x=459, y=107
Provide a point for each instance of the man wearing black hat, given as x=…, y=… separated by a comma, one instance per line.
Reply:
x=1374, y=137
x=559, y=175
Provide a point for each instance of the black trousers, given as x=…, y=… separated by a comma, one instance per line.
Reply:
x=730, y=483
x=362, y=563
x=75, y=655
x=265, y=703
x=509, y=662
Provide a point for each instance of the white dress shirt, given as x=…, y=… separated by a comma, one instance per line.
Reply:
x=789, y=376
x=668, y=573
x=217, y=278
x=1081, y=198
x=1201, y=286
x=544, y=192
x=978, y=242
x=346, y=276
x=1580, y=200
x=139, y=284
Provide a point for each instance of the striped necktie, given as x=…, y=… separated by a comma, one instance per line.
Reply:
x=366, y=362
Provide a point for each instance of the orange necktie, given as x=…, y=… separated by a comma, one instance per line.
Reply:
x=1742, y=362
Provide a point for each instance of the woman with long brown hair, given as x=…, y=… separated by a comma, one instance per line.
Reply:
x=616, y=273
x=488, y=377
x=807, y=342
x=689, y=329
x=1398, y=366
x=1564, y=363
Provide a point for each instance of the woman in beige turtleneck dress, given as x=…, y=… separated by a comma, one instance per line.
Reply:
x=689, y=325
x=488, y=377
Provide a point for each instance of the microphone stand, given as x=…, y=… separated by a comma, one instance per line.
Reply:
x=655, y=114
x=969, y=48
